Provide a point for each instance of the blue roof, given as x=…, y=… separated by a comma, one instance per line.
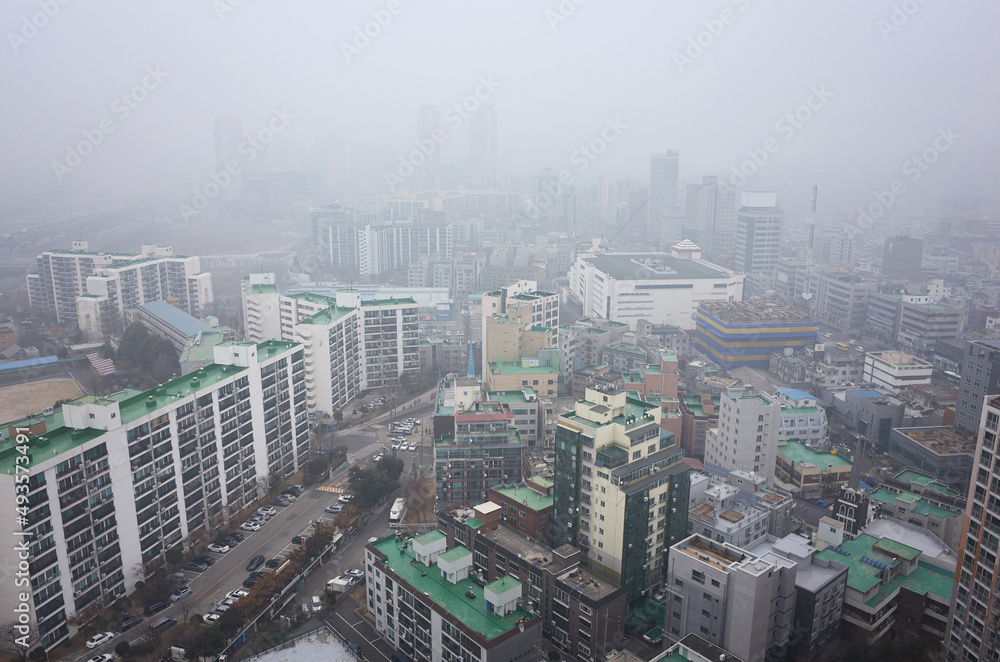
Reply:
x=868, y=393
x=28, y=363
x=177, y=318
x=796, y=394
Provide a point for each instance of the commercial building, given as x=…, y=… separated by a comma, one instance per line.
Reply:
x=801, y=417
x=426, y=603
x=938, y=451
x=872, y=413
x=533, y=417
x=730, y=597
x=526, y=507
x=896, y=370
x=663, y=190
x=980, y=369
x=659, y=288
x=747, y=434
x=116, y=481
x=439, y=357
x=842, y=302
x=485, y=450
x=923, y=323
x=882, y=321
x=710, y=220
x=833, y=247
x=758, y=232
x=700, y=413
x=746, y=333
x=94, y=289
x=811, y=473
x=582, y=343
x=969, y=630
x=902, y=257
x=621, y=489
x=582, y=614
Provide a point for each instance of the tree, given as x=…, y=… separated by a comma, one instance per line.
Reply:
x=345, y=517
x=372, y=484
x=174, y=555
x=18, y=639
x=186, y=606
x=122, y=648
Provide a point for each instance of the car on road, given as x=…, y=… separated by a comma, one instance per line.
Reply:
x=156, y=607
x=345, y=498
x=128, y=623
x=273, y=563
x=194, y=566
x=250, y=526
x=413, y=447
x=99, y=639
x=354, y=572
x=162, y=624
x=180, y=594
x=208, y=619
x=217, y=548
x=395, y=446
x=103, y=657
x=256, y=562
x=317, y=604
x=335, y=508
x=267, y=511
x=346, y=579
x=250, y=582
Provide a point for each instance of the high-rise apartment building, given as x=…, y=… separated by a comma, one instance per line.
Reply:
x=115, y=481
x=843, y=300
x=518, y=321
x=758, y=232
x=621, y=489
x=980, y=372
x=91, y=288
x=747, y=434
x=833, y=248
x=710, y=219
x=663, y=175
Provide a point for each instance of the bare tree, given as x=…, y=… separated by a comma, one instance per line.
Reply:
x=18, y=639
x=186, y=605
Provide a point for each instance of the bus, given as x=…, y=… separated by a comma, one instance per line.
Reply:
x=397, y=512
x=842, y=346
x=952, y=377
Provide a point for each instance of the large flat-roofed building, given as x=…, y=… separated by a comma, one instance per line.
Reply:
x=659, y=288
x=427, y=604
x=746, y=333
x=115, y=481
x=541, y=374
x=173, y=323
x=801, y=417
x=843, y=300
x=913, y=509
x=811, y=473
x=526, y=507
x=938, y=451
x=896, y=370
x=746, y=437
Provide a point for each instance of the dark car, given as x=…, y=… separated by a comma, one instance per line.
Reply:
x=164, y=623
x=195, y=566
x=237, y=536
x=156, y=607
x=226, y=541
x=257, y=575
x=204, y=558
x=129, y=623
x=256, y=562
x=250, y=582
x=273, y=563
x=298, y=540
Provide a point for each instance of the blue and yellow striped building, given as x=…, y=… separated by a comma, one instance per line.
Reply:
x=746, y=333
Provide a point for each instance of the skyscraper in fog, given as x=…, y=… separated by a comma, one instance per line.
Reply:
x=758, y=232
x=329, y=159
x=228, y=136
x=902, y=258
x=710, y=217
x=483, y=145
x=663, y=169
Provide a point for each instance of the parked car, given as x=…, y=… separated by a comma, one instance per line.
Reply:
x=180, y=593
x=257, y=574
x=218, y=549
x=299, y=540
x=156, y=607
x=659, y=594
x=250, y=526
x=237, y=594
x=204, y=558
x=128, y=623
x=281, y=503
x=354, y=572
x=256, y=562
x=164, y=623
x=335, y=508
x=273, y=563
x=194, y=566
x=345, y=498
x=267, y=511
x=237, y=535
x=317, y=604
x=99, y=639
x=250, y=582
x=413, y=447
x=395, y=446
x=103, y=657
x=179, y=577
x=208, y=619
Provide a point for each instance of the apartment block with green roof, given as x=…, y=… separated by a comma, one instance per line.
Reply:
x=115, y=481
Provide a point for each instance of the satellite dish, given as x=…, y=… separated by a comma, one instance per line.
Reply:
x=807, y=295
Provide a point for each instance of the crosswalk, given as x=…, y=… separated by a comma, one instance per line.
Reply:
x=330, y=488
x=366, y=451
x=363, y=433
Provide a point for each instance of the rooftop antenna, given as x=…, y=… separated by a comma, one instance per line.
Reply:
x=807, y=294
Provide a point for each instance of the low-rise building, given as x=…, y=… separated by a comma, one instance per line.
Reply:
x=938, y=451
x=912, y=509
x=526, y=507
x=801, y=417
x=700, y=413
x=541, y=374
x=808, y=472
x=896, y=370
x=426, y=604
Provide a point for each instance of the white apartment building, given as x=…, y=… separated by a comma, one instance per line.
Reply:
x=747, y=435
x=116, y=481
x=801, y=417
x=731, y=597
x=758, y=232
x=90, y=288
x=518, y=318
x=660, y=288
x=370, y=249
x=351, y=344
x=896, y=370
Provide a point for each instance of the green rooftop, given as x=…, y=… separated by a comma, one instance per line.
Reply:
x=475, y=523
x=863, y=577
x=451, y=597
x=519, y=368
x=503, y=584
x=429, y=537
x=542, y=481
x=898, y=549
x=693, y=404
x=327, y=316
x=920, y=506
x=455, y=554
x=798, y=452
x=526, y=496
x=911, y=476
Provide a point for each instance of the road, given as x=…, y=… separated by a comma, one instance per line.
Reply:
x=275, y=539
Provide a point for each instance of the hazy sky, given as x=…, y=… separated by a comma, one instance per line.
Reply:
x=888, y=83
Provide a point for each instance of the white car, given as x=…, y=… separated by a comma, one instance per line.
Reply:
x=413, y=447
x=103, y=657
x=354, y=572
x=211, y=618
x=237, y=594
x=250, y=526
x=99, y=639
x=395, y=446
x=317, y=603
x=267, y=511
x=218, y=549
x=345, y=498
